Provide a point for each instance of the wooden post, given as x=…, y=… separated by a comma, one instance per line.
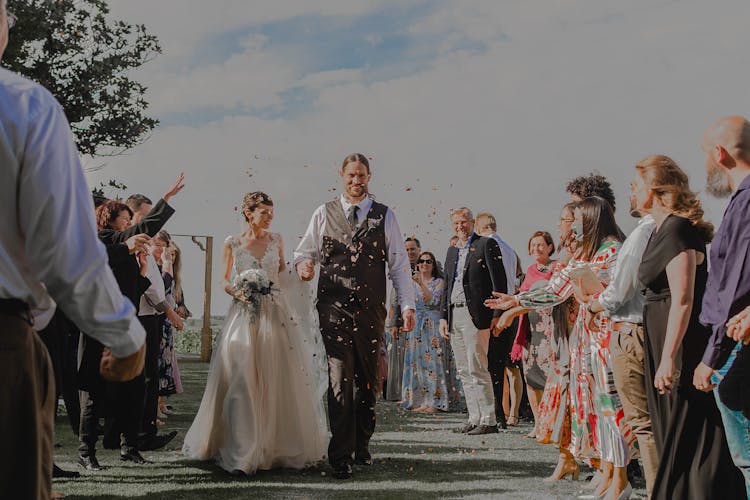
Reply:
x=206, y=331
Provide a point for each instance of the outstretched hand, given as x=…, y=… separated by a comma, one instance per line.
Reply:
x=409, y=320
x=122, y=369
x=502, y=301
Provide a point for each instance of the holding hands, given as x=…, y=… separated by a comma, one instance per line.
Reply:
x=306, y=270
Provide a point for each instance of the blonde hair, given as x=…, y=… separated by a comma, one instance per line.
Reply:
x=486, y=220
x=672, y=187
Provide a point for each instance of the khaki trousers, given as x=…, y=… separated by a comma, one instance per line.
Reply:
x=470, y=351
x=627, y=364
x=27, y=410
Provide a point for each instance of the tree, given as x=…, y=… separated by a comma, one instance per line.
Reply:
x=85, y=59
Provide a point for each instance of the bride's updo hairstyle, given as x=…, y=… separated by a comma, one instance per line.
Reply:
x=672, y=187
x=251, y=201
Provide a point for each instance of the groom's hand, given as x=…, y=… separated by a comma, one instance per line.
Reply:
x=409, y=321
x=306, y=270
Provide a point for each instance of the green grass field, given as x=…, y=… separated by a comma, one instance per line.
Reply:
x=416, y=456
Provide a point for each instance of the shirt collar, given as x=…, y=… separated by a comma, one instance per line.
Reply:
x=744, y=184
x=469, y=241
x=645, y=220
x=364, y=205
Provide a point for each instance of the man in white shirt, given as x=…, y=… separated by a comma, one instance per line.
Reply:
x=48, y=250
x=354, y=238
x=622, y=301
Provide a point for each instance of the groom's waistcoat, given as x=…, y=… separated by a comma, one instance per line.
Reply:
x=352, y=271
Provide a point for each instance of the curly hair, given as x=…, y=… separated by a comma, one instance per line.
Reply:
x=671, y=186
x=589, y=185
x=251, y=201
x=107, y=213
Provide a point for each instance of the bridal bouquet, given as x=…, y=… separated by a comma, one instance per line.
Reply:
x=252, y=285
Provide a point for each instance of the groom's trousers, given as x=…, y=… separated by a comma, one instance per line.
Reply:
x=352, y=339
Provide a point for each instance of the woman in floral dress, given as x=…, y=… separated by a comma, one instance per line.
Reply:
x=425, y=385
x=598, y=428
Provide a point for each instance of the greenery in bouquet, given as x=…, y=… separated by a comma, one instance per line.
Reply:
x=251, y=285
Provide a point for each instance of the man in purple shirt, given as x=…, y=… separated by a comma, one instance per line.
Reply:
x=727, y=148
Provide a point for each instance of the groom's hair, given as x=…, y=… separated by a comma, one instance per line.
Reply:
x=356, y=158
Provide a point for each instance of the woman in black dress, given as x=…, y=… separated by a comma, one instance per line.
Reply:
x=694, y=457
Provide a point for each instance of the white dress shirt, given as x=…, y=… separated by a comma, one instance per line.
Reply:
x=399, y=269
x=510, y=261
x=458, y=295
x=153, y=300
x=49, y=247
x=622, y=299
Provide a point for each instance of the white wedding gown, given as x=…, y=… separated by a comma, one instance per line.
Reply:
x=263, y=403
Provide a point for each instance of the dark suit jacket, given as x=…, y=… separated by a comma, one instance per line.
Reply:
x=482, y=275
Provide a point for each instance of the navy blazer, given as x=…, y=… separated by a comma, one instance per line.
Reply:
x=483, y=274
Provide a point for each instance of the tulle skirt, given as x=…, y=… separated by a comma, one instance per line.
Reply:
x=262, y=407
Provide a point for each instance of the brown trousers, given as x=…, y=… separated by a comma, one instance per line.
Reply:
x=627, y=364
x=27, y=411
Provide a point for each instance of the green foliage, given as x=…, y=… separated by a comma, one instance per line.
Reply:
x=84, y=58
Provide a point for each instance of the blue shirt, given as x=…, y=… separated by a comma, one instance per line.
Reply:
x=728, y=286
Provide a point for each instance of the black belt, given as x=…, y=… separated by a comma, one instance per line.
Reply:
x=460, y=304
x=16, y=307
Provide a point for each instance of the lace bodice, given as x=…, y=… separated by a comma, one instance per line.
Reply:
x=244, y=260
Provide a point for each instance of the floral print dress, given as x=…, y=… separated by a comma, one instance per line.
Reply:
x=597, y=420
x=427, y=377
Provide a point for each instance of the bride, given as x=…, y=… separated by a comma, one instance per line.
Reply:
x=263, y=403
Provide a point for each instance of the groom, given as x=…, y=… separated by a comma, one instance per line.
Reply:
x=353, y=238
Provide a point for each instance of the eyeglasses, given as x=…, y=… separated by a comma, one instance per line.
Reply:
x=424, y=261
x=11, y=20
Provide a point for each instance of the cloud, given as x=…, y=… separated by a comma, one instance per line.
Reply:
x=488, y=104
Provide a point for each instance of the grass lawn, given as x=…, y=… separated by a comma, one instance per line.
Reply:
x=416, y=456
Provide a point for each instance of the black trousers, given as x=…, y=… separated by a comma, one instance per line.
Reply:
x=60, y=337
x=352, y=340
x=153, y=325
x=498, y=354
x=125, y=410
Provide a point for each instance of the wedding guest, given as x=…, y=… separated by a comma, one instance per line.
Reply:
x=426, y=364
x=694, y=458
x=473, y=271
x=533, y=341
x=168, y=256
x=48, y=254
x=598, y=427
x=396, y=341
x=154, y=308
x=727, y=147
x=623, y=303
x=498, y=357
x=585, y=186
x=553, y=424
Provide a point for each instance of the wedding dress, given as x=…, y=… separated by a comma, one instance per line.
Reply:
x=263, y=403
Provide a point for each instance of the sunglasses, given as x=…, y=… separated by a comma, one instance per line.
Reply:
x=424, y=261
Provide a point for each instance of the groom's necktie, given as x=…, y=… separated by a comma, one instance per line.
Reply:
x=352, y=217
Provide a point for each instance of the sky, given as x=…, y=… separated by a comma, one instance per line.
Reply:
x=491, y=104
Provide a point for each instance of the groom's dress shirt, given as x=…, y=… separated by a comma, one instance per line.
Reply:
x=399, y=269
x=48, y=245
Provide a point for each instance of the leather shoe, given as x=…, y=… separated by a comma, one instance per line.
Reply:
x=464, y=428
x=150, y=443
x=89, y=463
x=132, y=455
x=363, y=459
x=60, y=473
x=502, y=425
x=342, y=470
x=483, y=429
